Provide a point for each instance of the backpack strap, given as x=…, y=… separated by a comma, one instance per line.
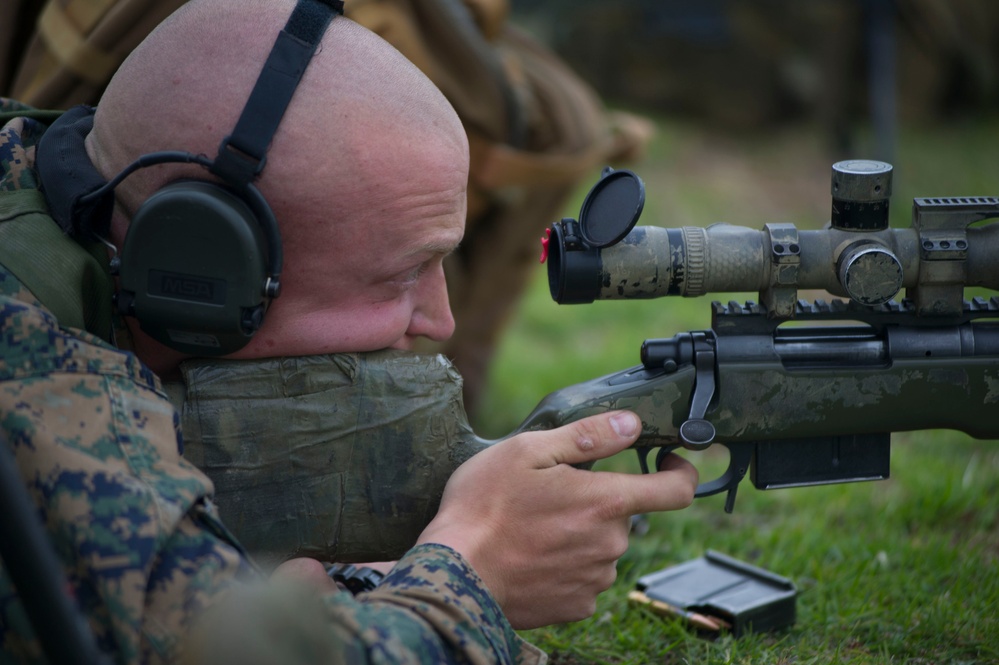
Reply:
x=71, y=280
x=41, y=115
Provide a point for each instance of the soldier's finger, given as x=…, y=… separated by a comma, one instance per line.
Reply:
x=672, y=488
x=586, y=440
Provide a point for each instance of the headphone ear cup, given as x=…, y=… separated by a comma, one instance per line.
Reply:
x=193, y=269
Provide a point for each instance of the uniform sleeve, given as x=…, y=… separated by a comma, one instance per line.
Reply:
x=98, y=447
x=431, y=608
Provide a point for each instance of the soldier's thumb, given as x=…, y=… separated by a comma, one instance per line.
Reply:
x=591, y=438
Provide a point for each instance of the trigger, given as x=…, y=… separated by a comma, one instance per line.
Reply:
x=643, y=459
x=730, y=498
x=740, y=457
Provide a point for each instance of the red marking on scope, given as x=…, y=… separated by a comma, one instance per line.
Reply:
x=545, y=245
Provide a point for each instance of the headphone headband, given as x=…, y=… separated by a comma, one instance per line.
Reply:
x=242, y=154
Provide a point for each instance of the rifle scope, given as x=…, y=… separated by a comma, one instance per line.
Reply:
x=603, y=255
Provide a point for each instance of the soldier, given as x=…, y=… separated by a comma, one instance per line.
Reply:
x=368, y=165
x=535, y=129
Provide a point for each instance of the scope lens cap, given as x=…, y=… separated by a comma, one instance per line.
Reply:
x=612, y=208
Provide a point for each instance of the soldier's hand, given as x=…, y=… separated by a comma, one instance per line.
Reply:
x=307, y=572
x=545, y=536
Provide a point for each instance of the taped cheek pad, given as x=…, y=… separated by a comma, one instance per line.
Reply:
x=338, y=457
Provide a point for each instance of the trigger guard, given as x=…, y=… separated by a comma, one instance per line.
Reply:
x=738, y=465
x=643, y=458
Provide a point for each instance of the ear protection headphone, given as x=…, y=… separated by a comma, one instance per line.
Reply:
x=201, y=261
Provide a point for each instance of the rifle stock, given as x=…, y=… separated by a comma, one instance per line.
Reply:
x=799, y=406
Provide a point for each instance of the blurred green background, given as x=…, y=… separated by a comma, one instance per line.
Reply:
x=899, y=571
x=753, y=101
x=750, y=64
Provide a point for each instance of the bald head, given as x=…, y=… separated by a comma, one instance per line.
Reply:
x=184, y=87
x=368, y=146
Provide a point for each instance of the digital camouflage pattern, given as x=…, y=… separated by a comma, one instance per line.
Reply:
x=100, y=449
x=431, y=587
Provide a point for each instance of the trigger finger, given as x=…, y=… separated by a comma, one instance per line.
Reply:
x=675, y=463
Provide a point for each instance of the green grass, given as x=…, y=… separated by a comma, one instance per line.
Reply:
x=903, y=570
x=899, y=571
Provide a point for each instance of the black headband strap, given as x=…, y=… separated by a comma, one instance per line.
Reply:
x=242, y=154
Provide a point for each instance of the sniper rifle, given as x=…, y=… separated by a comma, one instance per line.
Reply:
x=794, y=405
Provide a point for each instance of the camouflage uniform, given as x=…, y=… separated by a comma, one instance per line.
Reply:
x=99, y=447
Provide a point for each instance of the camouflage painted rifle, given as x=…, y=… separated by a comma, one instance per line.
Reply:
x=794, y=405
x=369, y=440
